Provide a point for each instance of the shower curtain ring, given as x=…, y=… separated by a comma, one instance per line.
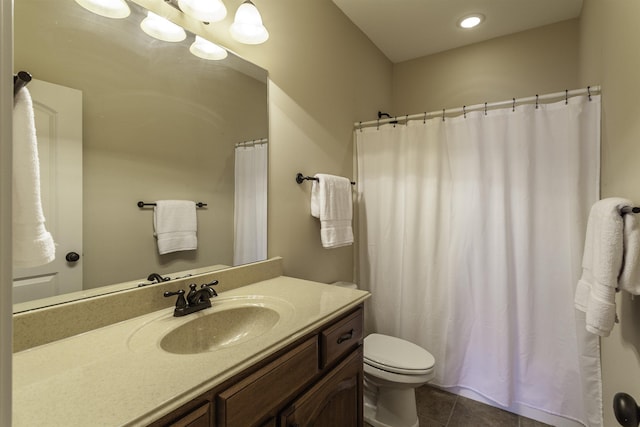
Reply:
x=443, y=114
x=566, y=96
x=589, y=92
x=424, y=120
x=537, y=101
x=464, y=111
x=514, y=105
x=485, y=108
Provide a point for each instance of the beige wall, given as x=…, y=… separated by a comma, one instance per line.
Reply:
x=609, y=54
x=538, y=61
x=325, y=75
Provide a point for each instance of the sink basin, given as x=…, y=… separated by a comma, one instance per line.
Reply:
x=220, y=329
x=231, y=321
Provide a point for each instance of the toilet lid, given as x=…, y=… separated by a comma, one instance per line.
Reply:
x=397, y=355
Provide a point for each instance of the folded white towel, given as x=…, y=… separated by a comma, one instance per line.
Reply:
x=601, y=265
x=175, y=225
x=331, y=202
x=32, y=243
x=630, y=275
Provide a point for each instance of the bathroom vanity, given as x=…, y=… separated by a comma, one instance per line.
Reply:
x=316, y=381
x=275, y=352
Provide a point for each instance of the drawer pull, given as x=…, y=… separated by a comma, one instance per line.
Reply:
x=345, y=337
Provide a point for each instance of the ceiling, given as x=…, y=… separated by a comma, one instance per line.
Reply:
x=408, y=29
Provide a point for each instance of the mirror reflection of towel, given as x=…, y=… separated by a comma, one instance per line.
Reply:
x=331, y=202
x=32, y=243
x=175, y=225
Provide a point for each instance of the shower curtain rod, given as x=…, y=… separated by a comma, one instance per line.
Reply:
x=252, y=142
x=590, y=90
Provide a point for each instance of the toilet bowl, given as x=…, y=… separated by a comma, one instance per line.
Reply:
x=393, y=369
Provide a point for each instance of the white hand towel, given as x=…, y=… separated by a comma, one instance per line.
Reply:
x=176, y=226
x=331, y=202
x=630, y=275
x=32, y=243
x=601, y=265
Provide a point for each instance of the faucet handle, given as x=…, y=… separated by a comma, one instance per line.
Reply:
x=208, y=287
x=180, y=302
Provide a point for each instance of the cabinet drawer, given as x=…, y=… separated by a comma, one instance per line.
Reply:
x=252, y=400
x=199, y=417
x=341, y=337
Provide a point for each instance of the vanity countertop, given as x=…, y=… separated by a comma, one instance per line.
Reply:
x=119, y=376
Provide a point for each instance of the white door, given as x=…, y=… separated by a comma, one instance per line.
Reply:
x=58, y=117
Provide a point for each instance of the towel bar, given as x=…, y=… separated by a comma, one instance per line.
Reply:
x=300, y=178
x=629, y=209
x=20, y=80
x=143, y=204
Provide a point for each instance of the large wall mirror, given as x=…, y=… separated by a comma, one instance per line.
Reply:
x=158, y=123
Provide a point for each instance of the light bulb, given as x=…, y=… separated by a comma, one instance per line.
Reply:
x=204, y=10
x=116, y=9
x=205, y=49
x=470, y=21
x=247, y=26
x=162, y=29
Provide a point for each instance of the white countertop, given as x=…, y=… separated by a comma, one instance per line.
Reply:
x=119, y=376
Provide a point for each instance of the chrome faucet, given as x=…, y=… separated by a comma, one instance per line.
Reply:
x=196, y=299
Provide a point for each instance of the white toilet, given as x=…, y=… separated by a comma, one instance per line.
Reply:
x=393, y=368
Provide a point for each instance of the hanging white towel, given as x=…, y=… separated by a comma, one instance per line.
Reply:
x=602, y=265
x=331, y=202
x=32, y=244
x=630, y=275
x=175, y=225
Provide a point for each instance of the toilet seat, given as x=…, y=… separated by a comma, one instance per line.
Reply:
x=396, y=355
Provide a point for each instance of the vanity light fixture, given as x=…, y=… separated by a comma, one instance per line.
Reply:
x=162, y=29
x=204, y=10
x=203, y=48
x=471, y=21
x=247, y=26
x=116, y=9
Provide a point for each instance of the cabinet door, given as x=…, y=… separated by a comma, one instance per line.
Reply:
x=257, y=398
x=335, y=401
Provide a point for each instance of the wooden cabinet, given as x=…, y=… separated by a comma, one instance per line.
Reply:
x=317, y=381
x=257, y=398
x=199, y=417
x=336, y=400
x=197, y=413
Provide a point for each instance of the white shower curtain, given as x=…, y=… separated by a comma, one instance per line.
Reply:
x=471, y=237
x=250, y=205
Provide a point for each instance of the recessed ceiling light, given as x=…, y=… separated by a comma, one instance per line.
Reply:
x=471, y=21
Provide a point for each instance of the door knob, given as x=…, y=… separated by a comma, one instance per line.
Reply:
x=72, y=257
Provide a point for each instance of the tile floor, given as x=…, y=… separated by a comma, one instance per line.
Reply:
x=439, y=408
